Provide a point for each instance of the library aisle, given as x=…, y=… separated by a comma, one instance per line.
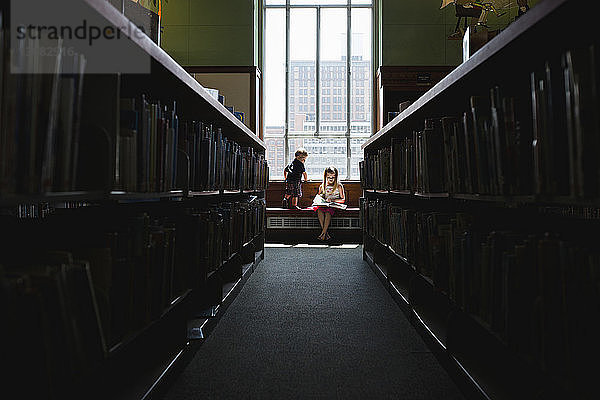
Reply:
x=314, y=323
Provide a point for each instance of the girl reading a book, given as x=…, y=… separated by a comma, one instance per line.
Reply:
x=331, y=193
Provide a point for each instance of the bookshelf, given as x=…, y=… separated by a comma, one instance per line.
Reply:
x=397, y=84
x=240, y=86
x=133, y=212
x=480, y=202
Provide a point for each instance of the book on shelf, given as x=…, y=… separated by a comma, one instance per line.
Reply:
x=433, y=154
x=214, y=93
x=239, y=115
x=127, y=166
x=40, y=117
x=580, y=80
x=498, y=140
x=55, y=314
x=395, y=164
x=479, y=136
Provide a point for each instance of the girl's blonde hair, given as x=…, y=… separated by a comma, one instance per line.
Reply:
x=330, y=170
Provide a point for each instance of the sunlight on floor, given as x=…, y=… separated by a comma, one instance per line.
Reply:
x=315, y=246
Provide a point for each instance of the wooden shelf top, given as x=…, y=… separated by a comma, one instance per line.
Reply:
x=118, y=347
x=52, y=197
x=530, y=200
x=115, y=196
x=520, y=199
x=513, y=32
x=132, y=197
x=113, y=16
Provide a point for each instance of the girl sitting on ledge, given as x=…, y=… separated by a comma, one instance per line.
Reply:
x=331, y=191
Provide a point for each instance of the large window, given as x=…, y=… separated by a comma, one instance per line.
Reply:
x=318, y=78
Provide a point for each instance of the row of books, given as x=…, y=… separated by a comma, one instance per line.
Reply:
x=542, y=141
x=51, y=334
x=131, y=259
x=41, y=149
x=222, y=230
x=214, y=93
x=69, y=299
x=536, y=291
x=158, y=152
x=583, y=213
x=486, y=151
x=564, y=97
x=146, y=149
x=40, y=117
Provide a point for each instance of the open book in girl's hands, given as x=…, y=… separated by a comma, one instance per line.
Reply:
x=320, y=201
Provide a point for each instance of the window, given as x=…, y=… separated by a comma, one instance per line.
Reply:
x=310, y=37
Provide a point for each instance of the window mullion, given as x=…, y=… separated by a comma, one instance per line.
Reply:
x=348, y=88
x=317, y=76
x=286, y=141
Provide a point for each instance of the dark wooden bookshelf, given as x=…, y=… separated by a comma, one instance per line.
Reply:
x=401, y=192
x=525, y=199
x=432, y=195
x=50, y=198
x=140, y=358
x=404, y=298
x=484, y=335
x=554, y=202
x=165, y=65
x=129, y=197
x=508, y=45
x=115, y=349
x=115, y=196
x=204, y=193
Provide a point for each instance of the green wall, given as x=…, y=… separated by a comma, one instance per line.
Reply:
x=414, y=32
x=224, y=32
x=210, y=32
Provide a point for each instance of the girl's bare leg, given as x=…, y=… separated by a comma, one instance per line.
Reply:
x=326, y=225
x=321, y=216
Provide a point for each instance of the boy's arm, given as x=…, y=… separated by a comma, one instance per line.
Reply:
x=285, y=174
x=305, y=176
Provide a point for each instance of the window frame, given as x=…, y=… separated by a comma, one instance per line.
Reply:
x=348, y=134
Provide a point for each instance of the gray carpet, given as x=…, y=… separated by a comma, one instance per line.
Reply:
x=313, y=323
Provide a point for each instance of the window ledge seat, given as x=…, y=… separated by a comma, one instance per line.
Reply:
x=306, y=212
x=302, y=226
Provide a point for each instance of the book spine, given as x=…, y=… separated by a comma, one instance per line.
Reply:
x=469, y=161
x=154, y=115
x=80, y=67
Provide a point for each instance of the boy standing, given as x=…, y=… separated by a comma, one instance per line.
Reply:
x=293, y=174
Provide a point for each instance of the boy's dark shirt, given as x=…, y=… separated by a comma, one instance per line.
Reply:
x=295, y=170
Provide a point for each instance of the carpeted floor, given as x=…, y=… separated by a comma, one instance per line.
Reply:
x=313, y=323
